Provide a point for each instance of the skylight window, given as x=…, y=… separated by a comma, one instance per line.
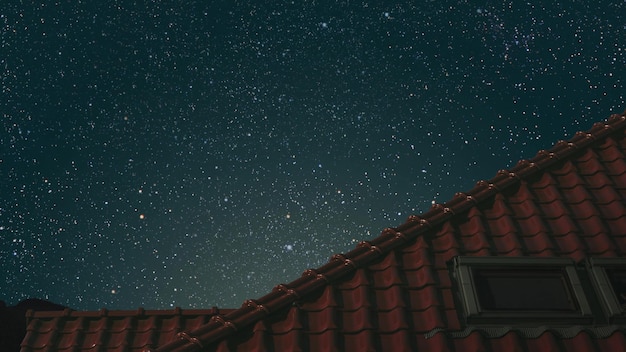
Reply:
x=520, y=290
x=609, y=276
x=617, y=278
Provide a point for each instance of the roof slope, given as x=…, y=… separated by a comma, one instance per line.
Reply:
x=395, y=292
x=106, y=330
x=392, y=292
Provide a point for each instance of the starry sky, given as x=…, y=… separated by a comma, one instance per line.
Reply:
x=194, y=153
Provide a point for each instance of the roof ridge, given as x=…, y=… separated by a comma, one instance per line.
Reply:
x=340, y=265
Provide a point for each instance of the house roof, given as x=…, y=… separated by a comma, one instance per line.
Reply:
x=395, y=292
x=117, y=330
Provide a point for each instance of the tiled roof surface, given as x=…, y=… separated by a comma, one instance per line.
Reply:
x=395, y=292
x=105, y=330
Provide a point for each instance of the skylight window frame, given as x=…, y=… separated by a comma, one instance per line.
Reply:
x=604, y=288
x=474, y=314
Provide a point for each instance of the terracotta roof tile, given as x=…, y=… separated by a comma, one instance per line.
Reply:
x=400, y=340
x=326, y=299
x=568, y=176
x=357, y=320
x=453, y=321
x=416, y=260
x=508, y=245
x=320, y=321
x=109, y=330
x=470, y=342
x=535, y=236
x=424, y=298
x=600, y=245
x=615, y=342
x=290, y=321
x=445, y=257
x=605, y=195
x=386, y=278
x=612, y=210
x=325, y=341
x=616, y=169
x=390, y=298
x=545, y=342
x=392, y=320
x=561, y=226
x=581, y=342
x=427, y=319
x=589, y=166
x=292, y=341
x=616, y=226
x=568, y=244
x=524, y=209
x=438, y=342
x=443, y=278
x=357, y=298
x=509, y=342
x=361, y=341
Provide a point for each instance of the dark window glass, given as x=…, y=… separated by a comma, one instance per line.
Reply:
x=523, y=289
x=618, y=282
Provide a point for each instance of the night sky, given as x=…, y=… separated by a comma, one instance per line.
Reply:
x=184, y=154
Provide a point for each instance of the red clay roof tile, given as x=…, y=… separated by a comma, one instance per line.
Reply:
x=392, y=320
x=605, y=195
x=356, y=298
x=325, y=341
x=424, y=298
x=110, y=331
x=288, y=322
x=509, y=342
x=616, y=226
x=438, y=342
x=291, y=341
x=388, y=299
x=615, y=342
x=400, y=340
x=320, y=321
x=600, y=245
x=427, y=319
x=356, y=320
x=360, y=341
x=386, y=278
x=613, y=210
